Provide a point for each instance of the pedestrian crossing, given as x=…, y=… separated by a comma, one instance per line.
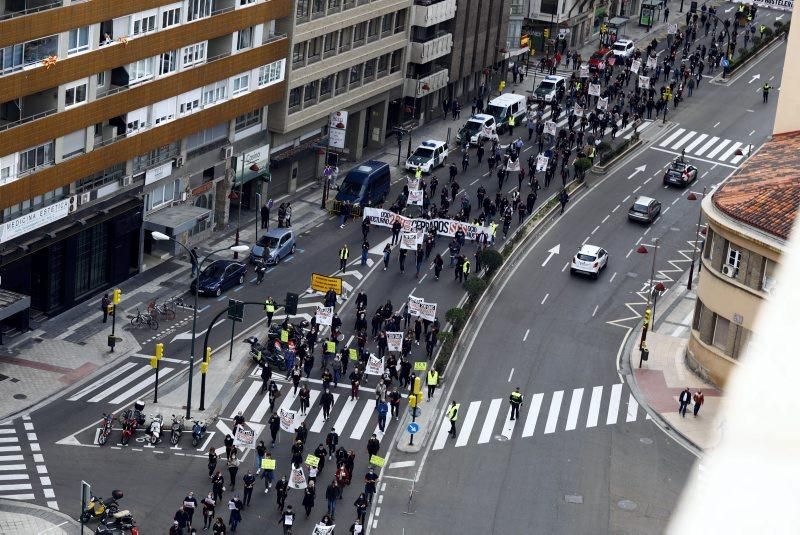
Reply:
x=625, y=132
x=122, y=385
x=542, y=413
x=693, y=143
x=23, y=475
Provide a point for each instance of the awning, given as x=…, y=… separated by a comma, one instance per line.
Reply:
x=618, y=22
x=514, y=52
x=12, y=303
x=176, y=219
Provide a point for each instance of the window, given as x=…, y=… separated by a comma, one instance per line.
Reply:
x=314, y=49
x=73, y=144
x=11, y=58
x=143, y=22
x=334, y=4
x=345, y=39
x=310, y=92
x=270, y=74
x=383, y=64
x=141, y=70
x=246, y=2
x=197, y=9
x=397, y=56
x=721, y=327
x=769, y=279
x=207, y=136
x=241, y=84
x=189, y=102
x=164, y=111
x=101, y=78
x=136, y=120
x=252, y=118
x=36, y=157
x=359, y=32
x=215, y=92
x=75, y=93
x=329, y=47
x=302, y=10
x=733, y=259
x=168, y=62
x=369, y=68
x=325, y=87
x=400, y=21
x=298, y=53
x=164, y=193
x=318, y=8
x=193, y=54
x=355, y=74
x=170, y=17
x=386, y=25
x=294, y=99
x=78, y=40
x=374, y=28
x=341, y=81
x=245, y=38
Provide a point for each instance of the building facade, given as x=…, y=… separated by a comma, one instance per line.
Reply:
x=749, y=221
x=121, y=117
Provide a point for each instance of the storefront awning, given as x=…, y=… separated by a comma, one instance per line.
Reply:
x=618, y=22
x=176, y=219
x=514, y=52
x=12, y=303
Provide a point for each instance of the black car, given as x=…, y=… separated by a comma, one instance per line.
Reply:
x=219, y=276
x=680, y=173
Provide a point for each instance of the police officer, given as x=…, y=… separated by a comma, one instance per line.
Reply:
x=511, y=123
x=418, y=173
x=433, y=381
x=465, y=269
x=452, y=415
x=269, y=308
x=765, y=91
x=344, y=254
x=515, y=399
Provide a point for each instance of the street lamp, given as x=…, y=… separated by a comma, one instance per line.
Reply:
x=642, y=249
x=693, y=197
x=159, y=236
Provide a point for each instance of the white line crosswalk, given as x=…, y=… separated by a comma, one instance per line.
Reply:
x=121, y=385
x=23, y=475
x=577, y=410
x=697, y=144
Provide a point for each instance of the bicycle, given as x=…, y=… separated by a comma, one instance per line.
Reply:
x=141, y=319
x=163, y=310
x=174, y=302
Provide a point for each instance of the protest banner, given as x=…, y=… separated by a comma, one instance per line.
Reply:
x=394, y=341
x=550, y=128
x=325, y=315
x=443, y=227
x=602, y=104
x=652, y=62
x=321, y=529
x=288, y=420
x=418, y=307
x=323, y=283
x=408, y=240
x=353, y=353
x=594, y=90
x=377, y=461
x=415, y=196
x=584, y=72
x=413, y=182
x=312, y=460
x=672, y=28
x=578, y=111
x=297, y=479
x=541, y=162
x=374, y=365
x=245, y=438
x=636, y=65
x=644, y=82
x=420, y=366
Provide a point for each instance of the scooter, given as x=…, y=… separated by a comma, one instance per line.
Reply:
x=105, y=431
x=261, y=270
x=176, y=430
x=269, y=354
x=198, y=431
x=118, y=523
x=99, y=508
x=154, y=430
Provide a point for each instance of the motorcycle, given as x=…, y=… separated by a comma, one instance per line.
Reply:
x=128, y=429
x=176, y=430
x=266, y=354
x=261, y=270
x=198, y=431
x=119, y=523
x=135, y=413
x=154, y=429
x=99, y=508
x=105, y=431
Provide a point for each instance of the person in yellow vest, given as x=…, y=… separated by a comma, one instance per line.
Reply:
x=465, y=269
x=344, y=254
x=452, y=415
x=269, y=308
x=433, y=380
x=511, y=123
x=418, y=173
x=493, y=229
x=515, y=400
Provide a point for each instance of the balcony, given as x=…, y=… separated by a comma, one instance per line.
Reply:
x=426, y=85
x=429, y=12
x=425, y=51
x=18, y=8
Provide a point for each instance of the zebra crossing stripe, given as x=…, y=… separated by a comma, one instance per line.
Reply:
x=7, y=431
x=707, y=146
x=18, y=497
x=594, y=406
x=7, y=458
x=8, y=440
x=246, y=399
x=13, y=477
x=718, y=148
x=730, y=151
x=441, y=437
x=552, y=416
x=533, y=415
x=488, y=424
x=469, y=422
x=107, y=378
x=574, y=409
x=141, y=386
x=672, y=137
x=363, y=420
x=633, y=409
x=319, y=421
x=684, y=140
x=263, y=407
x=117, y=385
x=287, y=402
x=344, y=414
x=613, y=404
x=7, y=467
x=699, y=139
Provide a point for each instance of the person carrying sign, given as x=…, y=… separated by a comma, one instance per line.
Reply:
x=287, y=517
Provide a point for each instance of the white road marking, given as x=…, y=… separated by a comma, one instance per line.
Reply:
x=595, y=310
x=565, y=267
x=246, y=398
x=552, y=416
x=629, y=253
x=699, y=139
x=615, y=209
x=672, y=137
x=398, y=464
x=574, y=409
x=626, y=199
x=469, y=422
x=545, y=298
x=319, y=421
x=613, y=404
x=614, y=276
x=676, y=200
x=533, y=415
x=718, y=148
x=751, y=133
x=633, y=407
x=637, y=189
x=594, y=406
x=728, y=153
x=596, y=229
x=441, y=437
x=716, y=125
x=585, y=240
x=474, y=181
x=648, y=180
x=510, y=375
x=707, y=146
x=363, y=420
x=526, y=335
x=488, y=423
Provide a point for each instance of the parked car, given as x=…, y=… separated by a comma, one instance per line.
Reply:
x=680, y=173
x=219, y=276
x=274, y=246
x=623, y=48
x=644, y=210
x=590, y=259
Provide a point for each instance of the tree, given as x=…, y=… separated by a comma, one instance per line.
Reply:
x=475, y=287
x=582, y=165
x=492, y=259
x=457, y=318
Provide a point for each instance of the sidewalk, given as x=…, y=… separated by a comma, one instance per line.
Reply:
x=18, y=518
x=665, y=374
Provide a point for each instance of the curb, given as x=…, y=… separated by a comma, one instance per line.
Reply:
x=59, y=520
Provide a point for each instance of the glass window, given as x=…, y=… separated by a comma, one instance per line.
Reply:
x=143, y=23
x=374, y=27
x=270, y=74
x=334, y=4
x=246, y=2
x=11, y=58
x=92, y=259
x=215, y=92
x=383, y=63
x=318, y=7
x=101, y=78
x=298, y=53
x=326, y=86
x=386, y=25
x=721, y=327
x=734, y=257
x=302, y=10
x=170, y=17
x=294, y=98
x=197, y=9
x=359, y=31
x=355, y=74
x=241, y=84
x=369, y=68
x=168, y=62
x=330, y=42
x=397, y=56
x=141, y=70
x=245, y=38
x=36, y=157
x=252, y=118
x=78, y=40
x=310, y=91
x=313, y=48
x=400, y=21
x=193, y=54
x=75, y=94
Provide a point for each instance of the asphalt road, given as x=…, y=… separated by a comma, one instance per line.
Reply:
x=569, y=346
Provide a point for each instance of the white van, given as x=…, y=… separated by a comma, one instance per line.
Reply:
x=505, y=106
x=429, y=154
x=476, y=127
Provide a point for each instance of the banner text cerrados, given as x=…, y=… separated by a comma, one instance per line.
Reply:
x=323, y=283
x=443, y=227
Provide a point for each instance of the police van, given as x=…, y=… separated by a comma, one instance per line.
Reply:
x=428, y=155
x=506, y=106
x=549, y=87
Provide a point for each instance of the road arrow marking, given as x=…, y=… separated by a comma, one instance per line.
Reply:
x=729, y=9
x=637, y=170
x=554, y=251
x=779, y=17
x=754, y=78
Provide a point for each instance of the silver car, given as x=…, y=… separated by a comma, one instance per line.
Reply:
x=644, y=210
x=274, y=246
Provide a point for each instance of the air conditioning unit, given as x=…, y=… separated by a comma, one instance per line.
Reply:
x=125, y=181
x=729, y=271
x=73, y=203
x=85, y=197
x=178, y=162
x=227, y=152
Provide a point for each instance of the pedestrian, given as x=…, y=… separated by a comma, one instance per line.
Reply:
x=396, y=228
x=309, y=496
x=698, y=399
x=326, y=402
x=235, y=507
x=438, y=263
x=765, y=91
x=265, y=216
x=233, y=466
x=208, y=511
x=332, y=440
x=182, y=519
x=394, y=403
x=373, y=445
x=305, y=397
x=465, y=267
x=432, y=381
x=219, y=527
x=176, y=528
x=357, y=527
x=228, y=441
x=515, y=400
x=402, y=259
x=563, y=198
x=370, y=483
x=344, y=254
x=684, y=399
x=364, y=252
x=212, y=462
x=217, y=486
x=105, y=303
x=452, y=415
x=282, y=489
x=274, y=424
x=249, y=480
x=383, y=409
x=287, y=520
x=387, y=253
x=267, y=474
x=190, y=505
x=419, y=260
x=361, y=505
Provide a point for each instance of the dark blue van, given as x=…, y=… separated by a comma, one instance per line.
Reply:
x=366, y=184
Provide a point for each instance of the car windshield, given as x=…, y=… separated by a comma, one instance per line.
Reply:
x=214, y=271
x=619, y=47
x=498, y=112
x=270, y=242
x=586, y=257
x=640, y=208
x=546, y=87
x=350, y=188
x=424, y=154
x=597, y=56
x=472, y=127
x=674, y=172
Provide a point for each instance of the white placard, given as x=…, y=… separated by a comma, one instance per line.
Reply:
x=584, y=71
x=784, y=5
x=244, y=438
x=374, y=365
x=418, y=307
x=319, y=529
x=297, y=479
x=541, y=162
x=550, y=128
x=672, y=29
x=644, y=82
x=652, y=62
x=409, y=241
x=602, y=104
x=415, y=197
x=288, y=419
x=512, y=165
x=338, y=119
x=578, y=111
x=394, y=341
x=325, y=315
x=443, y=227
x=594, y=90
x=635, y=66
x=336, y=137
x=33, y=220
x=413, y=182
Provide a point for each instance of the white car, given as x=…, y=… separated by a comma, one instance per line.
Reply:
x=622, y=48
x=590, y=260
x=429, y=154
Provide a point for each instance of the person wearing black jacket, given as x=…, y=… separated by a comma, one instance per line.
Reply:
x=282, y=489
x=332, y=440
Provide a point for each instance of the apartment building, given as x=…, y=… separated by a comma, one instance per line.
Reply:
x=750, y=218
x=118, y=118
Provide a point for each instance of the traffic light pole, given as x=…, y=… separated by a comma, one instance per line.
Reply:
x=649, y=294
x=155, y=394
x=113, y=326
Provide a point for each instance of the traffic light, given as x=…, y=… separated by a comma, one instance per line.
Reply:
x=648, y=314
x=204, y=367
x=153, y=362
x=117, y=296
x=291, y=303
x=208, y=354
x=159, y=351
x=546, y=33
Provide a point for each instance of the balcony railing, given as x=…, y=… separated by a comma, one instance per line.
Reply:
x=428, y=12
x=25, y=120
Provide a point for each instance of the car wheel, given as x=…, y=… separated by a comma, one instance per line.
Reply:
x=596, y=275
x=571, y=271
x=294, y=246
x=241, y=279
x=218, y=292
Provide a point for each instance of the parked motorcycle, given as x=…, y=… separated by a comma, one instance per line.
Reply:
x=198, y=431
x=128, y=430
x=105, y=431
x=176, y=430
x=154, y=429
x=119, y=523
x=136, y=412
x=98, y=508
x=263, y=354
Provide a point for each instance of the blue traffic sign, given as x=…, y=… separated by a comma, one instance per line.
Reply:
x=412, y=428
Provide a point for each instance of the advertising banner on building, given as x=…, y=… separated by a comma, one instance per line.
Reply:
x=33, y=220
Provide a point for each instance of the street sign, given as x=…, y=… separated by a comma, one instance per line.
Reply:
x=412, y=428
x=235, y=310
x=323, y=283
